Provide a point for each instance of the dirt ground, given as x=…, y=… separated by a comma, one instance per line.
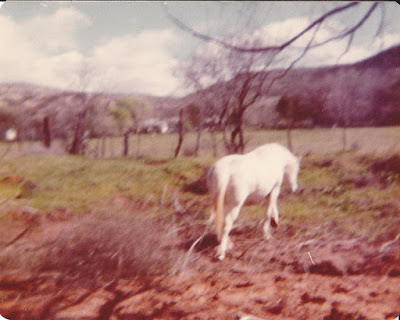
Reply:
x=291, y=276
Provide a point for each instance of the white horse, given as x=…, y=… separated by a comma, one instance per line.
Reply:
x=258, y=173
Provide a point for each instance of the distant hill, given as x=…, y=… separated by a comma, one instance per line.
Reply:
x=389, y=58
x=24, y=105
x=350, y=93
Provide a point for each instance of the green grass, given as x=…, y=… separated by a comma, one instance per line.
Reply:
x=331, y=182
x=84, y=184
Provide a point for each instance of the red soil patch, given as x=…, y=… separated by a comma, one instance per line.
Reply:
x=288, y=277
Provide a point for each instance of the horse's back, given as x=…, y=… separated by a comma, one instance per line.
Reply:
x=263, y=165
x=273, y=151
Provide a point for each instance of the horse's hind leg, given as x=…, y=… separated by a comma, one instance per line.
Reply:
x=229, y=220
x=272, y=210
x=213, y=212
x=267, y=224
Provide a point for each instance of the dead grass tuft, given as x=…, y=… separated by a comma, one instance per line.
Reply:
x=95, y=249
x=113, y=248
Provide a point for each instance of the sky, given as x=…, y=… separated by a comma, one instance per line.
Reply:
x=133, y=47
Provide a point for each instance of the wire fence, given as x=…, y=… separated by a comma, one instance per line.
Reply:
x=162, y=146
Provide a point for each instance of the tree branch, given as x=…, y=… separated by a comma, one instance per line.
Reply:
x=276, y=48
x=351, y=31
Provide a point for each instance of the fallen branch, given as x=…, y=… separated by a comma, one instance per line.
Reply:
x=306, y=243
x=19, y=236
x=190, y=251
x=389, y=243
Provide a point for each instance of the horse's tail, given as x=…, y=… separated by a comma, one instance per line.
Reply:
x=219, y=210
x=217, y=183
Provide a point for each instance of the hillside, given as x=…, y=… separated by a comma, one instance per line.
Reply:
x=349, y=90
x=389, y=58
x=25, y=105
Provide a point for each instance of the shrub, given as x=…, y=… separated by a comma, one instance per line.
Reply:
x=95, y=249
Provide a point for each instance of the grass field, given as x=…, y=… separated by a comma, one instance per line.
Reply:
x=94, y=234
x=335, y=186
x=162, y=146
x=369, y=140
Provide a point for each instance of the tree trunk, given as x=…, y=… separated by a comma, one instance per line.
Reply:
x=181, y=133
x=289, y=128
x=98, y=143
x=227, y=143
x=344, y=139
x=46, y=132
x=241, y=140
x=197, y=148
x=138, y=144
x=126, y=144
x=103, y=147
x=78, y=143
x=289, y=135
x=289, y=138
x=214, y=143
x=238, y=146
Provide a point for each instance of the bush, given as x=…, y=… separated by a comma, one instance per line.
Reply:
x=96, y=249
x=114, y=247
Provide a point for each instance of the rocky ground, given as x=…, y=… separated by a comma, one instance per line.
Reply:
x=292, y=276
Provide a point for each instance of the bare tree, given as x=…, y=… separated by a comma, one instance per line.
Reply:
x=77, y=145
x=46, y=132
x=190, y=119
x=194, y=122
x=348, y=32
x=181, y=132
x=241, y=79
x=126, y=112
x=254, y=78
x=342, y=98
x=297, y=108
x=83, y=78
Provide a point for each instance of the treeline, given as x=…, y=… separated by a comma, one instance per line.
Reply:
x=362, y=94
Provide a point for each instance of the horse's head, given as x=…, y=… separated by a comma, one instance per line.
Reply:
x=292, y=172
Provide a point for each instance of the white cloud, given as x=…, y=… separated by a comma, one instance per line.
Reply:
x=140, y=63
x=44, y=50
x=357, y=53
x=277, y=32
x=331, y=53
x=25, y=58
x=57, y=31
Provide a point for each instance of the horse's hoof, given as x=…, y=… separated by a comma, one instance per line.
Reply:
x=220, y=255
x=267, y=237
